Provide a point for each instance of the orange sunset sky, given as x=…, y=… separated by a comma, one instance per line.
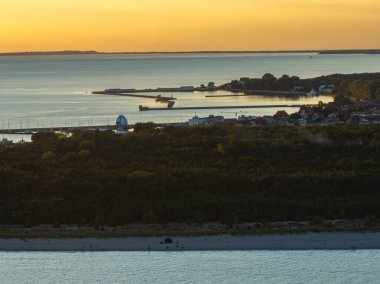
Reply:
x=188, y=25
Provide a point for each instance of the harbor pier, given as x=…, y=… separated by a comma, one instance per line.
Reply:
x=157, y=97
x=145, y=108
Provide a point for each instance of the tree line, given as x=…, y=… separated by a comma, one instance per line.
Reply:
x=354, y=86
x=192, y=174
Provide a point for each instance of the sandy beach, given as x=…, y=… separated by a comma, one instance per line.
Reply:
x=309, y=241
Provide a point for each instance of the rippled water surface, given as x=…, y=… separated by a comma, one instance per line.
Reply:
x=192, y=267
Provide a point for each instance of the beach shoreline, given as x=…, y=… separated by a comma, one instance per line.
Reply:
x=307, y=241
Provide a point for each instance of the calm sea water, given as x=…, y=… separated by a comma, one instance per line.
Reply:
x=192, y=267
x=44, y=91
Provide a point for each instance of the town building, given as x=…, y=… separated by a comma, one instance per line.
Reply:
x=246, y=117
x=365, y=118
x=326, y=89
x=121, y=122
x=210, y=120
x=281, y=114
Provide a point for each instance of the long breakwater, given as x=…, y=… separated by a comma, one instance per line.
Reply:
x=144, y=108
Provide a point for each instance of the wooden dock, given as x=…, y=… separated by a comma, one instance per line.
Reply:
x=143, y=108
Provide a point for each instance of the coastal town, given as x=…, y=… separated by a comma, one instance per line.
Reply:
x=359, y=112
x=352, y=99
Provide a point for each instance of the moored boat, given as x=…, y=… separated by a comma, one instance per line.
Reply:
x=141, y=108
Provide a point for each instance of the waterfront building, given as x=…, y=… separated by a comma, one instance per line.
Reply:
x=210, y=120
x=281, y=115
x=326, y=89
x=269, y=120
x=121, y=122
x=365, y=118
x=246, y=117
x=332, y=118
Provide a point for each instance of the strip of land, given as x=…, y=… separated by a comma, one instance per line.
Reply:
x=309, y=241
x=258, y=92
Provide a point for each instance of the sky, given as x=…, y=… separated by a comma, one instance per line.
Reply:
x=188, y=25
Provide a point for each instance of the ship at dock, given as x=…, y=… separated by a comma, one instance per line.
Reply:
x=170, y=103
x=160, y=98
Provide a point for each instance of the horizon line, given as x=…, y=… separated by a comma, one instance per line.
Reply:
x=73, y=51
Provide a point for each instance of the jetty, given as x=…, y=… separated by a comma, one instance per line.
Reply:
x=234, y=92
x=145, y=108
x=157, y=97
x=132, y=92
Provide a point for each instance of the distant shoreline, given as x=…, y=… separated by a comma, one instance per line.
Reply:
x=93, y=52
x=308, y=241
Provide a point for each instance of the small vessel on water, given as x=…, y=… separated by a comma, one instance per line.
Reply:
x=159, y=98
x=171, y=104
x=141, y=108
x=164, y=99
x=313, y=93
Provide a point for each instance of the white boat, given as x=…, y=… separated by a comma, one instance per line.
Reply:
x=313, y=93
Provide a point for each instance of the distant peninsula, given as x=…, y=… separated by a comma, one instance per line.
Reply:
x=91, y=52
x=352, y=51
x=65, y=52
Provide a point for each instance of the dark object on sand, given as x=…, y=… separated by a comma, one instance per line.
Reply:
x=168, y=241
